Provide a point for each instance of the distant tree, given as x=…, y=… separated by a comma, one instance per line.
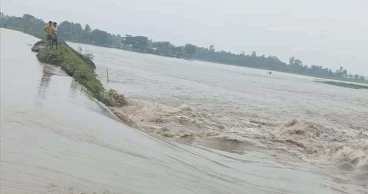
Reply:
x=212, y=48
x=100, y=37
x=178, y=51
x=29, y=17
x=74, y=32
x=87, y=29
x=142, y=42
x=341, y=72
x=190, y=49
x=298, y=62
x=295, y=62
x=164, y=48
x=71, y=31
x=139, y=43
x=77, y=31
x=291, y=60
x=254, y=54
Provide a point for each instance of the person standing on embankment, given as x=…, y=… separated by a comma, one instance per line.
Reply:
x=54, y=37
x=49, y=29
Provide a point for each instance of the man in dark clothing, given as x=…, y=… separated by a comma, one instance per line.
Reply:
x=54, y=37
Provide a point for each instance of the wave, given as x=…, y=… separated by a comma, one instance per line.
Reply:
x=318, y=143
x=311, y=141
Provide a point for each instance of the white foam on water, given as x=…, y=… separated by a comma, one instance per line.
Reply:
x=191, y=100
x=308, y=140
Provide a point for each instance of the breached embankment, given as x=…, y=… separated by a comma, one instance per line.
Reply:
x=81, y=68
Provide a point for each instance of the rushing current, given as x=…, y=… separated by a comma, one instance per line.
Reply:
x=227, y=129
x=192, y=99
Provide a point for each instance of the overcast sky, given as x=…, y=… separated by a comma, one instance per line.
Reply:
x=331, y=33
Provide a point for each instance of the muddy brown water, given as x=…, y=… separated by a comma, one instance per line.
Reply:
x=56, y=139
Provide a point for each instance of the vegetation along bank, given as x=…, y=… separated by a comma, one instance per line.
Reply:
x=75, y=32
x=81, y=68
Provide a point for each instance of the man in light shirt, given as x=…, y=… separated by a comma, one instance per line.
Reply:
x=49, y=29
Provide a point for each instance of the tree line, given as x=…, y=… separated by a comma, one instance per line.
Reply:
x=74, y=32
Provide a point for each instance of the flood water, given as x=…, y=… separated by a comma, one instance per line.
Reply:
x=56, y=139
x=195, y=100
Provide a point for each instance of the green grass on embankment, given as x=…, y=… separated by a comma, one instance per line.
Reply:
x=75, y=66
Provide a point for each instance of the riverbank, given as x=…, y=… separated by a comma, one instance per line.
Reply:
x=142, y=44
x=81, y=68
x=343, y=84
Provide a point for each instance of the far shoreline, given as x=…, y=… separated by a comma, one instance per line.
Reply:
x=311, y=77
x=344, y=84
x=347, y=79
